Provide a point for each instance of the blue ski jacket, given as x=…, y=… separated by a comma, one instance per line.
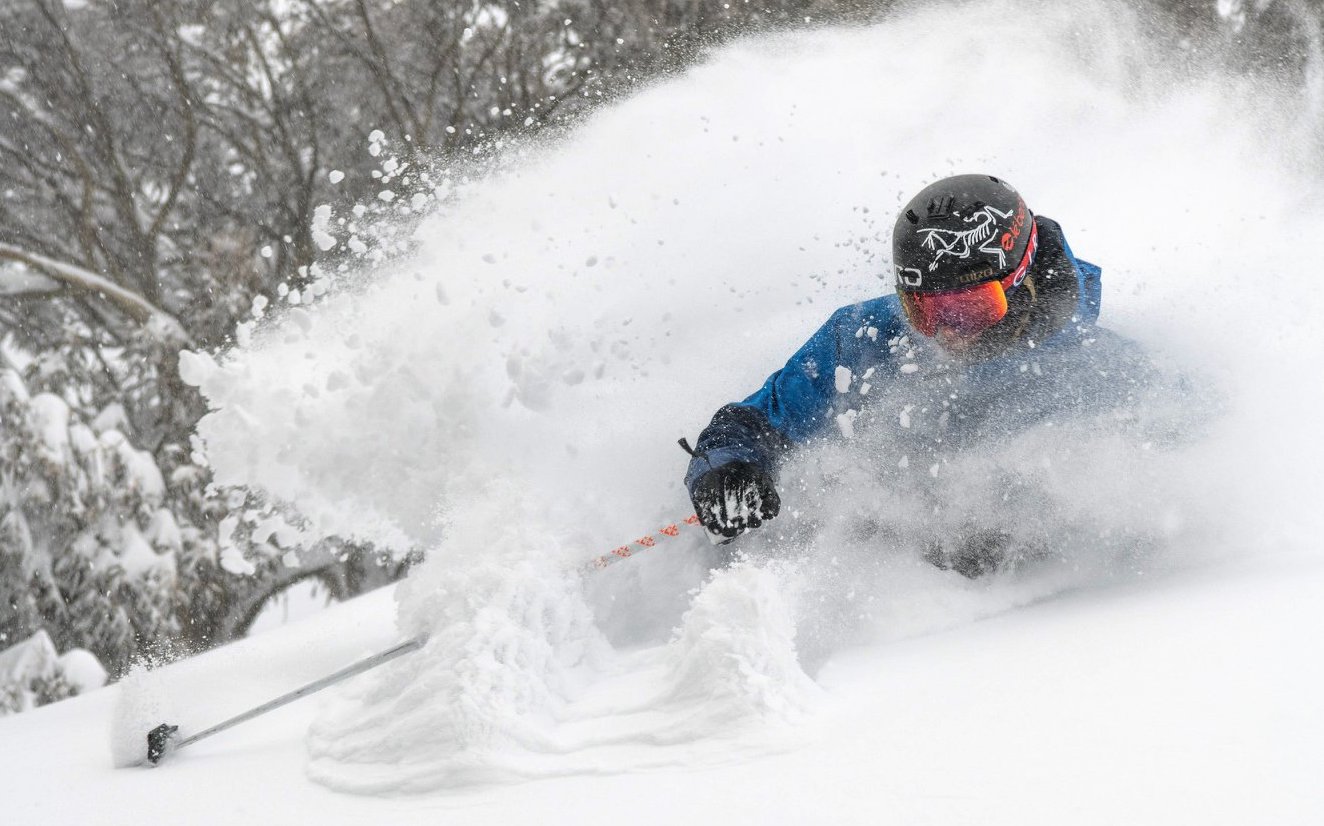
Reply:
x=866, y=367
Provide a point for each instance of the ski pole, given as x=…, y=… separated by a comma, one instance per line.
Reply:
x=644, y=543
x=163, y=739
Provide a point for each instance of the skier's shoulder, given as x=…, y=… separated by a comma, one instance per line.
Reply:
x=875, y=318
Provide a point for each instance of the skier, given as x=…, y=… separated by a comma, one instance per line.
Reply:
x=991, y=329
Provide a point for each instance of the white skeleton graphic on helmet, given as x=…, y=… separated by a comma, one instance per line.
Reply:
x=961, y=243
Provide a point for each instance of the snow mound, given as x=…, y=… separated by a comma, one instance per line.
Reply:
x=507, y=628
x=143, y=704
x=734, y=658
x=517, y=682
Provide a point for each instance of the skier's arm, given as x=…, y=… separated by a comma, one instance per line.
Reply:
x=792, y=406
x=732, y=471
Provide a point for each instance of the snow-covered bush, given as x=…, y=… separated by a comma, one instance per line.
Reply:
x=32, y=673
x=109, y=547
x=89, y=549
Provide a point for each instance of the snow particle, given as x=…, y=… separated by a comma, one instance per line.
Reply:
x=321, y=224
x=843, y=378
x=846, y=423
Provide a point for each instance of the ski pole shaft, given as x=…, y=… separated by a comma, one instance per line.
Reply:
x=312, y=688
x=644, y=543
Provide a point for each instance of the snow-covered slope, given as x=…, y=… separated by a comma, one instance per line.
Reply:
x=1193, y=699
x=510, y=400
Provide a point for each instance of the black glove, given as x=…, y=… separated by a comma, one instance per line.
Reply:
x=733, y=498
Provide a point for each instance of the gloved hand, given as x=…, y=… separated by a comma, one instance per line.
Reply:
x=734, y=498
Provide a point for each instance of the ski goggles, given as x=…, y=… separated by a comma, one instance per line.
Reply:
x=969, y=311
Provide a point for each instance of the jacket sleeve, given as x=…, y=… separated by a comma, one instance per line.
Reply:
x=792, y=406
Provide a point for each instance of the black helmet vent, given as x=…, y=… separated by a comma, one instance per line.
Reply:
x=941, y=207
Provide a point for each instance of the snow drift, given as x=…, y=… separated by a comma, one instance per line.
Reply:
x=509, y=399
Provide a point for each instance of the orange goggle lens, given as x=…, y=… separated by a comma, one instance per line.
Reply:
x=965, y=312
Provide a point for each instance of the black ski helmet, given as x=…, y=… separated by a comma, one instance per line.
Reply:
x=960, y=231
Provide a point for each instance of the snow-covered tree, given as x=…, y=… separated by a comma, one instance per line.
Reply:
x=88, y=545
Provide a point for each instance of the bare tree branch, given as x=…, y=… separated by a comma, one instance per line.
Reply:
x=156, y=321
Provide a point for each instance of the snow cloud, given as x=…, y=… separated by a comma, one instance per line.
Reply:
x=573, y=314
